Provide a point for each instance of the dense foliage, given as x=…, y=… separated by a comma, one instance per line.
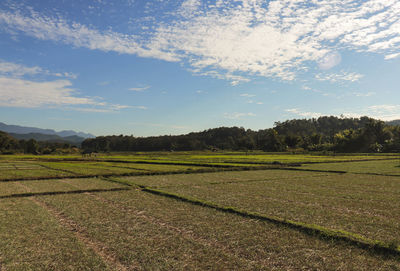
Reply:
x=9, y=145
x=323, y=134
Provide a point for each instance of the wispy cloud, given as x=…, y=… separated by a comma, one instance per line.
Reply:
x=19, y=70
x=247, y=95
x=25, y=93
x=14, y=69
x=305, y=114
x=383, y=112
x=76, y=34
x=236, y=115
x=382, y=115
x=18, y=88
x=361, y=94
x=329, y=61
x=140, y=89
x=339, y=77
x=236, y=40
x=254, y=102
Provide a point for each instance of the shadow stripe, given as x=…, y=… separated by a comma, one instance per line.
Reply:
x=25, y=195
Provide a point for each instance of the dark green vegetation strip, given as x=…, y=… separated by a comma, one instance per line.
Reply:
x=205, y=170
x=31, y=194
x=310, y=229
x=313, y=170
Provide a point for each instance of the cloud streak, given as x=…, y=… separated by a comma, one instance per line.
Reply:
x=384, y=112
x=140, y=89
x=18, y=70
x=18, y=89
x=235, y=40
x=339, y=77
x=236, y=115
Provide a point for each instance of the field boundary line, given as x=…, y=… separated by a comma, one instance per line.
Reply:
x=57, y=169
x=203, y=183
x=313, y=170
x=182, y=232
x=205, y=170
x=54, y=193
x=198, y=171
x=310, y=229
x=80, y=233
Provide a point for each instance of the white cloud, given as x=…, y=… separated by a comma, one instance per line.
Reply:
x=360, y=94
x=339, y=77
x=140, y=89
x=19, y=70
x=298, y=112
x=136, y=106
x=254, y=102
x=329, y=61
x=384, y=112
x=47, y=28
x=16, y=92
x=247, y=95
x=236, y=115
x=13, y=69
x=235, y=40
x=24, y=93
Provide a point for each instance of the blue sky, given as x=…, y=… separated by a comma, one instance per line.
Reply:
x=171, y=67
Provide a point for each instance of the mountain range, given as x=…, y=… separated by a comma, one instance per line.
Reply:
x=38, y=134
x=73, y=140
x=393, y=122
x=16, y=129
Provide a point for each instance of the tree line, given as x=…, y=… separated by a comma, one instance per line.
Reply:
x=327, y=133
x=10, y=145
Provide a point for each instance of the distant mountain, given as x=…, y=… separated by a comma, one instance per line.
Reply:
x=393, y=122
x=16, y=129
x=74, y=140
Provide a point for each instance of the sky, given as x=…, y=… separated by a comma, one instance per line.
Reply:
x=159, y=67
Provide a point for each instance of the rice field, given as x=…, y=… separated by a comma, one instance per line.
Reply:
x=118, y=213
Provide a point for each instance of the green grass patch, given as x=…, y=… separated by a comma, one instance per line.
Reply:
x=161, y=233
x=365, y=205
x=387, y=167
x=31, y=239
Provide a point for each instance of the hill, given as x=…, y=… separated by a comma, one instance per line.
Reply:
x=16, y=129
x=73, y=140
x=393, y=122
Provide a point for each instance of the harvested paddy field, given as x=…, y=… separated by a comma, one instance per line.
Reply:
x=59, y=213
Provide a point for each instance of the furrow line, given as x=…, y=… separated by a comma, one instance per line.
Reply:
x=310, y=229
x=186, y=234
x=109, y=258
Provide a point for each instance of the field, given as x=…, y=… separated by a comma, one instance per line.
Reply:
x=200, y=211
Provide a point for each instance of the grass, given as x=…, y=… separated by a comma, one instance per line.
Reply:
x=142, y=232
x=31, y=239
x=240, y=220
x=388, y=167
x=365, y=205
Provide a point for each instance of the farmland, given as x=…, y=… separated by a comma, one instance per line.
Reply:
x=198, y=210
